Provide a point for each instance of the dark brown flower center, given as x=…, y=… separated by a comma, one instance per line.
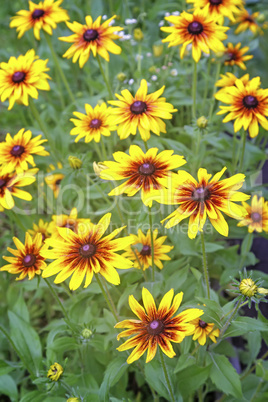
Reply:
x=44, y=237
x=147, y=169
x=146, y=250
x=231, y=56
x=2, y=183
x=250, y=102
x=17, y=150
x=155, y=327
x=29, y=260
x=195, y=28
x=215, y=2
x=202, y=324
x=138, y=107
x=256, y=217
x=249, y=19
x=201, y=194
x=70, y=225
x=87, y=250
x=95, y=123
x=90, y=34
x=37, y=13
x=58, y=182
x=18, y=77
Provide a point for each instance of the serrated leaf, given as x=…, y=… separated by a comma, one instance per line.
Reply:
x=224, y=376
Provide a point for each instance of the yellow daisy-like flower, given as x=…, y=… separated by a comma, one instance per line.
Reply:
x=71, y=222
x=248, y=106
x=236, y=56
x=27, y=260
x=257, y=215
x=200, y=29
x=156, y=326
x=143, y=112
x=93, y=37
x=149, y=172
x=44, y=15
x=228, y=80
x=247, y=21
x=203, y=330
x=42, y=228
x=21, y=77
x=54, y=180
x=83, y=254
x=143, y=252
x=94, y=123
x=218, y=9
x=9, y=187
x=16, y=152
x=55, y=372
x=207, y=197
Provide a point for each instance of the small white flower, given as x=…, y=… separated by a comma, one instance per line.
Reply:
x=157, y=70
x=176, y=13
x=148, y=54
x=130, y=21
x=189, y=47
x=161, y=23
x=164, y=67
x=167, y=14
x=138, y=57
x=104, y=17
x=131, y=81
x=154, y=77
x=174, y=72
x=112, y=22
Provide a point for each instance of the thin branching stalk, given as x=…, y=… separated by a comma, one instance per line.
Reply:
x=205, y=265
x=111, y=308
x=194, y=88
x=168, y=383
x=218, y=70
x=152, y=240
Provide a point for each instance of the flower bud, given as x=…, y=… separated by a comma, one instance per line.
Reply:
x=248, y=287
x=86, y=333
x=158, y=50
x=55, y=371
x=74, y=162
x=138, y=34
x=202, y=122
x=261, y=17
x=121, y=77
x=98, y=167
x=263, y=291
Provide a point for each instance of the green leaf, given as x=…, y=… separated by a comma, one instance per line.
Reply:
x=212, y=247
x=184, y=361
x=191, y=378
x=26, y=341
x=60, y=345
x=113, y=373
x=246, y=244
x=5, y=368
x=243, y=325
x=224, y=376
x=8, y=387
x=155, y=378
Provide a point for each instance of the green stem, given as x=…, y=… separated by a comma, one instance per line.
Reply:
x=145, y=145
x=105, y=78
x=206, y=87
x=263, y=357
x=166, y=376
x=52, y=290
x=194, y=90
x=230, y=312
x=104, y=153
x=100, y=190
x=218, y=70
x=96, y=146
x=205, y=266
x=139, y=58
x=109, y=296
x=113, y=311
x=57, y=64
x=16, y=350
x=249, y=242
x=243, y=147
x=233, y=155
x=139, y=263
x=152, y=240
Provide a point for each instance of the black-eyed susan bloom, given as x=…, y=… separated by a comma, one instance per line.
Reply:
x=156, y=326
x=70, y=222
x=94, y=123
x=199, y=29
x=16, y=153
x=10, y=184
x=246, y=21
x=203, y=330
x=53, y=180
x=228, y=80
x=257, y=215
x=218, y=9
x=93, y=37
x=41, y=227
x=207, y=197
x=143, y=112
x=21, y=77
x=82, y=254
x=42, y=16
x=55, y=372
x=248, y=106
x=149, y=172
x=142, y=246
x=235, y=55
x=27, y=260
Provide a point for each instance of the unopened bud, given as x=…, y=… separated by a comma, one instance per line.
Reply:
x=202, y=122
x=138, y=34
x=74, y=162
x=121, y=77
x=158, y=50
x=86, y=333
x=98, y=167
x=248, y=287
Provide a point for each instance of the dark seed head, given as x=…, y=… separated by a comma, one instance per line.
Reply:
x=146, y=250
x=147, y=169
x=18, y=77
x=70, y=225
x=155, y=327
x=37, y=13
x=17, y=150
x=231, y=56
x=29, y=260
x=215, y=2
x=90, y=34
x=202, y=324
x=95, y=123
x=195, y=28
x=2, y=183
x=250, y=102
x=87, y=250
x=200, y=194
x=138, y=107
x=256, y=217
x=58, y=182
x=43, y=237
